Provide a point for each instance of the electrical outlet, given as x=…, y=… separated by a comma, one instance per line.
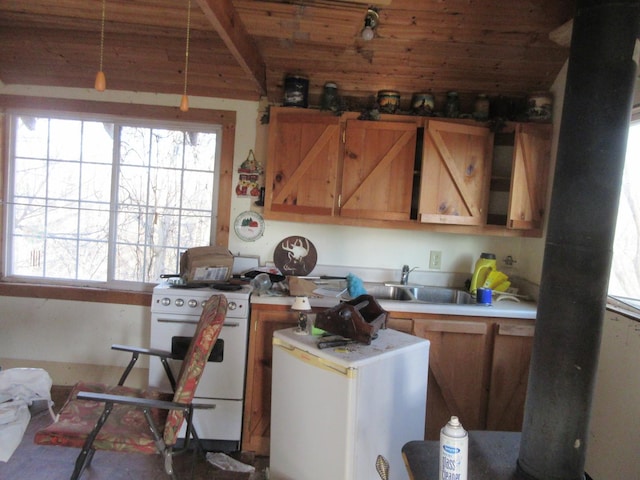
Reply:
x=435, y=260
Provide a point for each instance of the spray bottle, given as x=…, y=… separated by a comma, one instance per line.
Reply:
x=454, y=451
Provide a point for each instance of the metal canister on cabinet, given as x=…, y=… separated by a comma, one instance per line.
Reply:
x=452, y=107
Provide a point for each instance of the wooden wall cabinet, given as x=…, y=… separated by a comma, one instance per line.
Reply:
x=407, y=172
x=520, y=175
x=302, y=169
x=378, y=166
x=456, y=169
x=340, y=167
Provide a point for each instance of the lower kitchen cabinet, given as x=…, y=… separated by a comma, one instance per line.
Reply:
x=401, y=324
x=265, y=319
x=478, y=370
x=458, y=372
x=512, y=348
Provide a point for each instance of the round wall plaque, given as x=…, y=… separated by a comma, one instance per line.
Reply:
x=295, y=256
x=249, y=226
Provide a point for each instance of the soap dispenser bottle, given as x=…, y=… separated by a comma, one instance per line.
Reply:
x=484, y=265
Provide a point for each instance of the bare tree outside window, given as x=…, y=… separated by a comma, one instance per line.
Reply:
x=624, y=279
x=102, y=201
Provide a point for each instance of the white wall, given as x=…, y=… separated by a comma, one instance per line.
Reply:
x=336, y=245
x=72, y=340
x=614, y=431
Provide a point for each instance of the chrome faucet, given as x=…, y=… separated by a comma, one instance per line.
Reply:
x=404, y=278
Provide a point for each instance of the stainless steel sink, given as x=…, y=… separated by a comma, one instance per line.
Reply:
x=420, y=294
x=442, y=295
x=387, y=292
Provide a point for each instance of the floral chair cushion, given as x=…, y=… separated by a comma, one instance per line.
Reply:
x=126, y=428
x=207, y=332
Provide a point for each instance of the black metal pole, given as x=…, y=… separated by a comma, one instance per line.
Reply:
x=578, y=249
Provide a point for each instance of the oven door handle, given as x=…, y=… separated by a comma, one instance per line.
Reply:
x=195, y=322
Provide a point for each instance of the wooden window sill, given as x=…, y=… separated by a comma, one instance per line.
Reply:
x=80, y=294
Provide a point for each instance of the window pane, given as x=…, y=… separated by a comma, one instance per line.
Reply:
x=30, y=178
x=134, y=146
x=96, y=183
x=196, y=230
x=198, y=192
x=200, y=151
x=65, y=139
x=163, y=209
x=165, y=187
x=131, y=225
x=163, y=260
x=129, y=262
x=165, y=227
x=34, y=137
x=29, y=220
x=28, y=255
x=132, y=186
x=94, y=221
x=64, y=180
x=64, y=208
x=624, y=279
x=60, y=258
x=167, y=148
x=92, y=260
x=97, y=142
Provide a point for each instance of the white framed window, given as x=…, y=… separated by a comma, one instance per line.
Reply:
x=624, y=278
x=107, y=200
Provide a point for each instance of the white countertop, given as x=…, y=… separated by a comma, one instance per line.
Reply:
x=501, y=309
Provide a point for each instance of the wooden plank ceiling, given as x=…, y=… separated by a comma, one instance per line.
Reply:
x=243, y=49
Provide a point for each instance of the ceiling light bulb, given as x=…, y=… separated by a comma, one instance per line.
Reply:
x=101, y=82
x=367, y=33
x=370, y=23
x=184, y=103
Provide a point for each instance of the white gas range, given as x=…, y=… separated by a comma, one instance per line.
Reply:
x=175, y=312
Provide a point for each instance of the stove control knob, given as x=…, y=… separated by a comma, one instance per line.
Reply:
x=179, y=302
x=232, y=305
x=193, y=303
x=165, y=302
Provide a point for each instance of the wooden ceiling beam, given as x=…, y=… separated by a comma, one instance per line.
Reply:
x=227, y=23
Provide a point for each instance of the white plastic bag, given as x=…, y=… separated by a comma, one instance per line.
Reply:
x=19, y=388
x=225, y=462
x=25, y=384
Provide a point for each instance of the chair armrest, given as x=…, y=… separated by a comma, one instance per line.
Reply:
x=126, y=400
x=145, y=351
x=135, y=352
x=141, y=402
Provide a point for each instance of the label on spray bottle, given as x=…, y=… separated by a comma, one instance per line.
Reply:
x=454, y=447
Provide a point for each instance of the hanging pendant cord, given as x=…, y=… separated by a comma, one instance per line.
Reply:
x=104, y=7
x=186, y=55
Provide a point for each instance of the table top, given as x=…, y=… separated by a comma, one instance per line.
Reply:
x=492, y=456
